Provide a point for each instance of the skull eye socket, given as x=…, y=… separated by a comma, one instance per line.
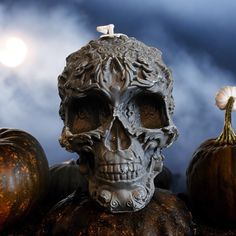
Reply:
x=152, y=111
x=87, y=113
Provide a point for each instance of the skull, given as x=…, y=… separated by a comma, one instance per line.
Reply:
x=116, y=105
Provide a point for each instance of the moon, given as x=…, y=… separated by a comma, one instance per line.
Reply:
x=13, y=51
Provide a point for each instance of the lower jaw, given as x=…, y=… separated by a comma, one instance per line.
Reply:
x=122, y=198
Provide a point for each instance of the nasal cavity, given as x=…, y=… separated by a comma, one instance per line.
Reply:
x=117, y=138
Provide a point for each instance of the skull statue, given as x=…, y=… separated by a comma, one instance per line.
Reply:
x=116, y=105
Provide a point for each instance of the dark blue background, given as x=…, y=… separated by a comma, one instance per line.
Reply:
x=197, y=39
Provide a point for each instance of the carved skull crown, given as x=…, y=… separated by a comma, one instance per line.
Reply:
x=117, y=104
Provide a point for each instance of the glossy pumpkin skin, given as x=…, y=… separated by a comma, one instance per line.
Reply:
x=165, y=215
x=211, y=181
x=65, y=178
x=164, y=179
x=24, y=174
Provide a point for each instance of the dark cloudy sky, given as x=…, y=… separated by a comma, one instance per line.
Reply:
x=197, y=38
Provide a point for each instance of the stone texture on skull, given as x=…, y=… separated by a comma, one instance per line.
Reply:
x=117, y=105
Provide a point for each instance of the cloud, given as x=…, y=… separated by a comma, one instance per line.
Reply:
x=206, y=26
x=29, y=98
x=196, y=82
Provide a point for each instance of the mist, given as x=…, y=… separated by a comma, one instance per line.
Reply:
x=29, y=99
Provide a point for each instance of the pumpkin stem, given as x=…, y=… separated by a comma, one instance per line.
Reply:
x=228, y=135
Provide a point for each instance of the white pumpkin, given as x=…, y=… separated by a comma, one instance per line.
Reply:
x=223, y=96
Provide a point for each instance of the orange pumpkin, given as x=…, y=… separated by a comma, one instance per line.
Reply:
x=211, y=175
x=65, y=178
x=164, y=179
x=24, y=174
x=79, y=215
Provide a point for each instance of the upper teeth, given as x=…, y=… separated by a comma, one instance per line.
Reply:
x=120, y=168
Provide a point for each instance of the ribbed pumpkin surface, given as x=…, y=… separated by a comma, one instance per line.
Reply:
x=211, y=181
x=24, y=174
